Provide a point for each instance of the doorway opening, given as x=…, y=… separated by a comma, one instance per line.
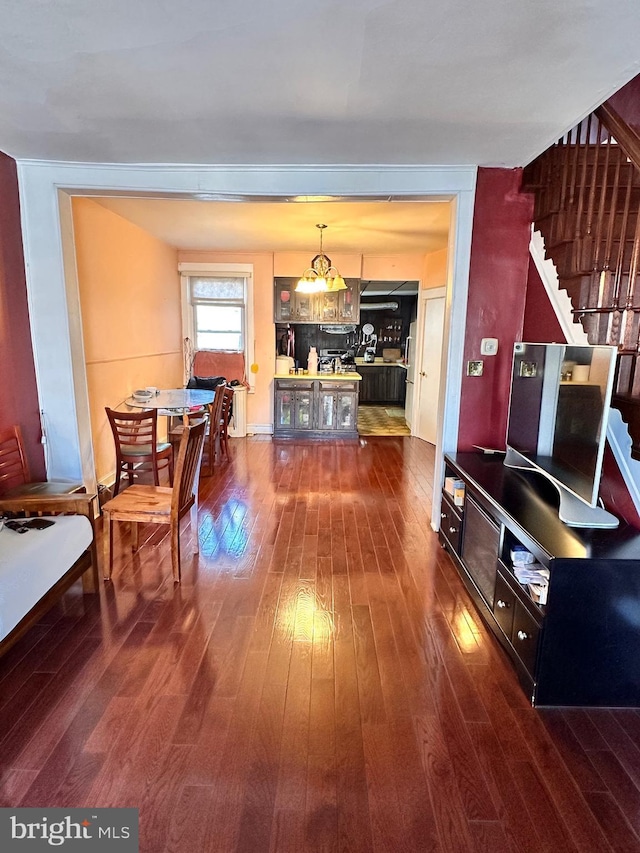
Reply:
x=384, y=355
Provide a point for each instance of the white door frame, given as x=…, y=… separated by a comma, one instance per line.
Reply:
x=423, y=297
x=46, y=188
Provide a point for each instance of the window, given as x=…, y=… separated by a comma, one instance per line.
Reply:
x=217, y=307
x=218, y=312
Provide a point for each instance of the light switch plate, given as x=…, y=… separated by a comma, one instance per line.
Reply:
x=488, y=346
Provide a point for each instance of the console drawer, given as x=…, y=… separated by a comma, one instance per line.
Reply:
x=524, y=636
x=450, y=523
x=504, y=605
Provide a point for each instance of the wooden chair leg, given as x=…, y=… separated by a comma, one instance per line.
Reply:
x=194, y=526
x=108, y=545
x=90, y=577
x=171, y=470
x=175, y=551
x=135, y=537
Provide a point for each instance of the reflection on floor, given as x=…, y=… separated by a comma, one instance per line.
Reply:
x=381, y=420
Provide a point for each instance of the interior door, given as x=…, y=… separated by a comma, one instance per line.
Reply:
x=430, y=361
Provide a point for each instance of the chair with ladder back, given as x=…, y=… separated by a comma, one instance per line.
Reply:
x=161, y=504
x=137, y=448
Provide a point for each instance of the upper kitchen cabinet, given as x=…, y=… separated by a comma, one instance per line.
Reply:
x=342, y=306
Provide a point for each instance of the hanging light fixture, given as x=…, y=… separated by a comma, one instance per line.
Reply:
x=321, y=276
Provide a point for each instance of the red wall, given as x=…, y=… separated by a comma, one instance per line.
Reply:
x=496, y=305
x=18, y=394
x=626, y=102
x=540, y=321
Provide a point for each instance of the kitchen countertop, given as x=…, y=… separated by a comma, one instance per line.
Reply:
x=341, y=377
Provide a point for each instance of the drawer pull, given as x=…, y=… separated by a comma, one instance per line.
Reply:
x=443, y=515
x=522, y=635
x=501, y=604
x=453, y=530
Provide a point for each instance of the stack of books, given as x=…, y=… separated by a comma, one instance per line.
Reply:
x=455, y=488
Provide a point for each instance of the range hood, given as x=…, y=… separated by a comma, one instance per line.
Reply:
x=336, y=329
x=378, y=306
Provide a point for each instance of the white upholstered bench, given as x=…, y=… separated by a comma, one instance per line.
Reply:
x=38, y=566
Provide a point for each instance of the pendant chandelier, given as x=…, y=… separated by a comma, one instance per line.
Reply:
x=321, y=276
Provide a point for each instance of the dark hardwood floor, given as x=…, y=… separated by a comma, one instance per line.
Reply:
x=320, y=681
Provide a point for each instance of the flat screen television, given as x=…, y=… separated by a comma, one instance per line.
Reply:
x=558, y=413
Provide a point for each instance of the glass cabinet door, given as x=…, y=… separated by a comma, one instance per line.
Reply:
x=304, y=306
x=346, y=410
x=349, y=301
x=284, y=298
x=284, y=408
x=329, y=307
x=303, y=413
x=327, y=410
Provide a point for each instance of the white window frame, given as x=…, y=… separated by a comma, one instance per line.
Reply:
x=245, y=271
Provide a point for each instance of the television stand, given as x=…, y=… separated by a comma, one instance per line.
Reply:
x=572, y=510
x=581, y=648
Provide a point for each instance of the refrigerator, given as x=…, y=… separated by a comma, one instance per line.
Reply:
x=410, y=361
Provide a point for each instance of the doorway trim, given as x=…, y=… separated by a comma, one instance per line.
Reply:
x=46, y=189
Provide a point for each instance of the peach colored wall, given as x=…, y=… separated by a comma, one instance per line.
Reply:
x=392, y=267
x=260, y=402
x=132, y=326
x=434, y=271
x=295, y=263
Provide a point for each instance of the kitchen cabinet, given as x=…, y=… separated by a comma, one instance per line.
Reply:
x=294, y=405
x=579, y=648
x=331, y=307
x=337, y=406
x=382, y=383
x=317, y=407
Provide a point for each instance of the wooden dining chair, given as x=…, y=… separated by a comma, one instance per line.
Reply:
x=15, y=476
x=212, y=439
x=161, y=504
x=136, y=438
x=225, y=416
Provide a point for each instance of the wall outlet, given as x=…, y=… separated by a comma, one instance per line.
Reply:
x=475, y=368
x=488, y=346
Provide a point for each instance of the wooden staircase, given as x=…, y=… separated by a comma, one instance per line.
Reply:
x=587, y=209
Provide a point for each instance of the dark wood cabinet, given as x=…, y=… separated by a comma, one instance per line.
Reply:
x=382, y=383
x=316, y=407
x=294, y=405
x=450, y=523
x=333, y=308
x=582, y=647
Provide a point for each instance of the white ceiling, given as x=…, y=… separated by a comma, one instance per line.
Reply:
x=491, y=82
x=360, y=227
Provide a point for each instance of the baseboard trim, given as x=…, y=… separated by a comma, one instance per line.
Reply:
x=259, y=429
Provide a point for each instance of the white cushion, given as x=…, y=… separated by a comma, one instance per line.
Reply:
x=32, y=562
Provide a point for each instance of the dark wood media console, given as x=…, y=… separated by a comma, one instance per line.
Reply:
x=583, y=647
